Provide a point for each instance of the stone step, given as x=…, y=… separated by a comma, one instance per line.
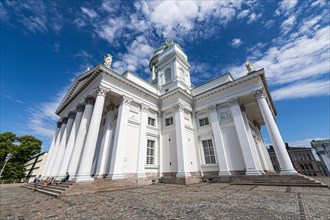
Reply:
x=41, y=190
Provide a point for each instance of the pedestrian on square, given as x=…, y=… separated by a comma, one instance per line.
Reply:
x=47, y=180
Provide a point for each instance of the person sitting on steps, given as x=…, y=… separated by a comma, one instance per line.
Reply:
x=66, y=178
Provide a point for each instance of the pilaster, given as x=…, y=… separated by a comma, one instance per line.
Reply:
x=143, y=141
x=219, y=144
x=181, y=141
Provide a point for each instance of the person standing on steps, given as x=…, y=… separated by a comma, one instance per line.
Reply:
x=66, y=178
x=35, y=183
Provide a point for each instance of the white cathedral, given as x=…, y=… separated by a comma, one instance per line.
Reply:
x=119, y=126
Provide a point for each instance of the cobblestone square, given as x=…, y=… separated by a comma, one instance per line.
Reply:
x=165, y=201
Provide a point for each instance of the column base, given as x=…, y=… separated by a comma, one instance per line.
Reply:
x=99, y=176
x=224, y=173
x=115, y=176
x=254, y=173
x=288, y=172
x=83, y=178
x=183, y=174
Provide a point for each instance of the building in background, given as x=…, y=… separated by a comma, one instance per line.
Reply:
x=322, y=148
x=34, y=166
x=302, y=159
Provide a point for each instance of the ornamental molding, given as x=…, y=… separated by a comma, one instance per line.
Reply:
x=259, y=94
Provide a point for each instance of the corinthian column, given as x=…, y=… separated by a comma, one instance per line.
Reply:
x=181, y=144
x=104, y=155
x=81, y=135
x=117, y=156
x=51, y=149
x=84, y=171
x=70, y=144
x=275, y=136
x=251, y=161
x=62, y=146
x=219, y=145
x=57, y=145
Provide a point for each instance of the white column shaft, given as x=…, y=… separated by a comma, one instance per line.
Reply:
x=218, y=141
x=80, y=139
x=84, y=171
x=117, y=156
x=104, y=155
x=267, y=161
x=143, y=142
x=70, y=144
x=275, y=136
x=61, y=149
x=249, y=158
x=43, y=174
x=55, y=152
x=180, y=132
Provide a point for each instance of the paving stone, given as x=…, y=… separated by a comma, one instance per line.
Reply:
x=166, y=201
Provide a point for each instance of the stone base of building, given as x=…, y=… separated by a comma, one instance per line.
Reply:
x=173, y=178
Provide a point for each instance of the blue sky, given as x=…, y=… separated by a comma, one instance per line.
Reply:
x=46, y=44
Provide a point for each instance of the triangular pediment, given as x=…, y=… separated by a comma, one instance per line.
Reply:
x=78, y=85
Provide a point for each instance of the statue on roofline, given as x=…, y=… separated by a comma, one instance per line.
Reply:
x=249, y=66
x=107, y=60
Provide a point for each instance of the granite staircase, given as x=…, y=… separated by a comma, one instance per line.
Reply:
x=54, y=190
x=268, y=180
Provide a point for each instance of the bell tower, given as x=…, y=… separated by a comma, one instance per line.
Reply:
x=170, y=68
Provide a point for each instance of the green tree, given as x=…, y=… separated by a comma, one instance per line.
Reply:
x=22, y=149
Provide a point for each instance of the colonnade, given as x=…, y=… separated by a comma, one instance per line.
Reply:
x=73, y=146
x=256, y=158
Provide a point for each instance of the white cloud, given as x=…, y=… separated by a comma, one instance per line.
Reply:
x=34, y=24
x=253, y=17
x=56, y=47
x=89, y=12
x=112, y=28
x=302, y=90
x=236, y=42
x=243, y=14
x=83, y=54
x=286, y=6
x=288, y=24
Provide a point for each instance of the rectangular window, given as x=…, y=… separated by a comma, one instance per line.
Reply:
x=203, y=121
x=309, y=157
x=311, y=166
x=304, y=157
x=168, y=121
x=151, y=121
x=151, y=152
x=208, y=151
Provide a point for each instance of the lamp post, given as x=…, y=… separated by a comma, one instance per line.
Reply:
x=9, y=155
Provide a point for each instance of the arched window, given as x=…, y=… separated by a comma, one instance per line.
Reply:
x=167, y=75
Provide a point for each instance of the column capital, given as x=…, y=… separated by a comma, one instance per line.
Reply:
x=144, y=107
x=212, y=108
x=179, y=107
x=126, y=100
x=234, y=101
x=102, y=91
x=59, y=123
x=80, y=107
x=64, y=119
x=90, y=100
x=72, y=114
x=259, y=94
x=243, y=108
